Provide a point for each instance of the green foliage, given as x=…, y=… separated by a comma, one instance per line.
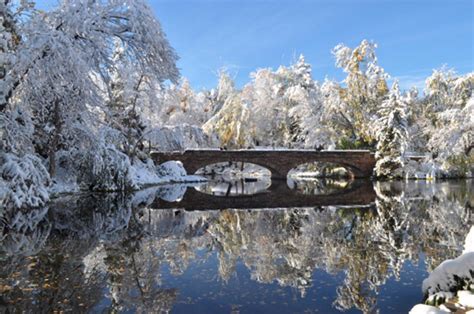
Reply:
x=348, y=143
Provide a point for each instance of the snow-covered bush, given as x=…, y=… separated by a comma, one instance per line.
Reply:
x=146, y=173
x=24, y=181
x=172, y=169
x=105, y=169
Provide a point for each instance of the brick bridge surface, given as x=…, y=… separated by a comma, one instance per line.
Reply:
x=359, y=162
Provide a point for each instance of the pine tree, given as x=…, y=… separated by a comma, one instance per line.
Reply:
x=124, y=103
x=392, y=135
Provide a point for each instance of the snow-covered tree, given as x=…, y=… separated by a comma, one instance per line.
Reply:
x=15, y=125
x=10, y=37
x=225, y=88
x=71, y=45
x=232, y=124
x=308, y=120
x=392, y=135
x=449, y=112
x=268, y=112
x=62, y=74
x=182, y=105
x=280, y=101
x=129, y=94
x=363, y=91
x=23, y=178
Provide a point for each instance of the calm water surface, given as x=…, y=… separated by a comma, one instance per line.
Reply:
x=333, y=247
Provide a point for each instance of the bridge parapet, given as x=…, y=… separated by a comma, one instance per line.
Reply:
x=279, y=161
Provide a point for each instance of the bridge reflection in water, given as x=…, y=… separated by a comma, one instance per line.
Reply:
x=278, y=195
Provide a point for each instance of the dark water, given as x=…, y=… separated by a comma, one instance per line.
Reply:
x=333, y=247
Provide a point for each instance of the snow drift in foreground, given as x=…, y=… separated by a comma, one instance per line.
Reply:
x=451, y=276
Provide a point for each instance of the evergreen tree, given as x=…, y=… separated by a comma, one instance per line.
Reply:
x=392, y=135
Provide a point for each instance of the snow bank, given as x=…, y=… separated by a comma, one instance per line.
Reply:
x=173, y=171
x=466, y=298
x=122, y=175
x=144, y=174
x=469, y=244
x=453, y=274
x=427, y=309
x=147, y=174
x=450, y=275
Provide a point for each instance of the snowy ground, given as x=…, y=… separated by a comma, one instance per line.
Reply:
x=142, y=174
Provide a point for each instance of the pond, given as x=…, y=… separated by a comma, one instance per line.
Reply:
x=319, y=247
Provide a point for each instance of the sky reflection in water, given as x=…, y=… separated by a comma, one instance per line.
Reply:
x=98, y=253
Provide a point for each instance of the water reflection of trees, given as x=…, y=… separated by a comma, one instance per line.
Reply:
x=64, y=259
x=320, y=186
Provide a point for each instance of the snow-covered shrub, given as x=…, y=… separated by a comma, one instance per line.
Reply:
x=105, y=169
x=452, y=277
x=172, y=170
x=144, y=173
x=455, y=274
x=24, y=181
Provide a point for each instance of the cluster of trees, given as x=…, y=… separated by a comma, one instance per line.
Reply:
x=88, y=87
x=75, y=87
x=287, y=108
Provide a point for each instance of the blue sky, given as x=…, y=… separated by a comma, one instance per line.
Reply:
x=413, y=36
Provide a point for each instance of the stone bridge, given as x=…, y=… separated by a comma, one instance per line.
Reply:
x=359, y=194
x=359, y=162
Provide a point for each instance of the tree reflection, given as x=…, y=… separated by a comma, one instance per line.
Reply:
x=66, y=257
